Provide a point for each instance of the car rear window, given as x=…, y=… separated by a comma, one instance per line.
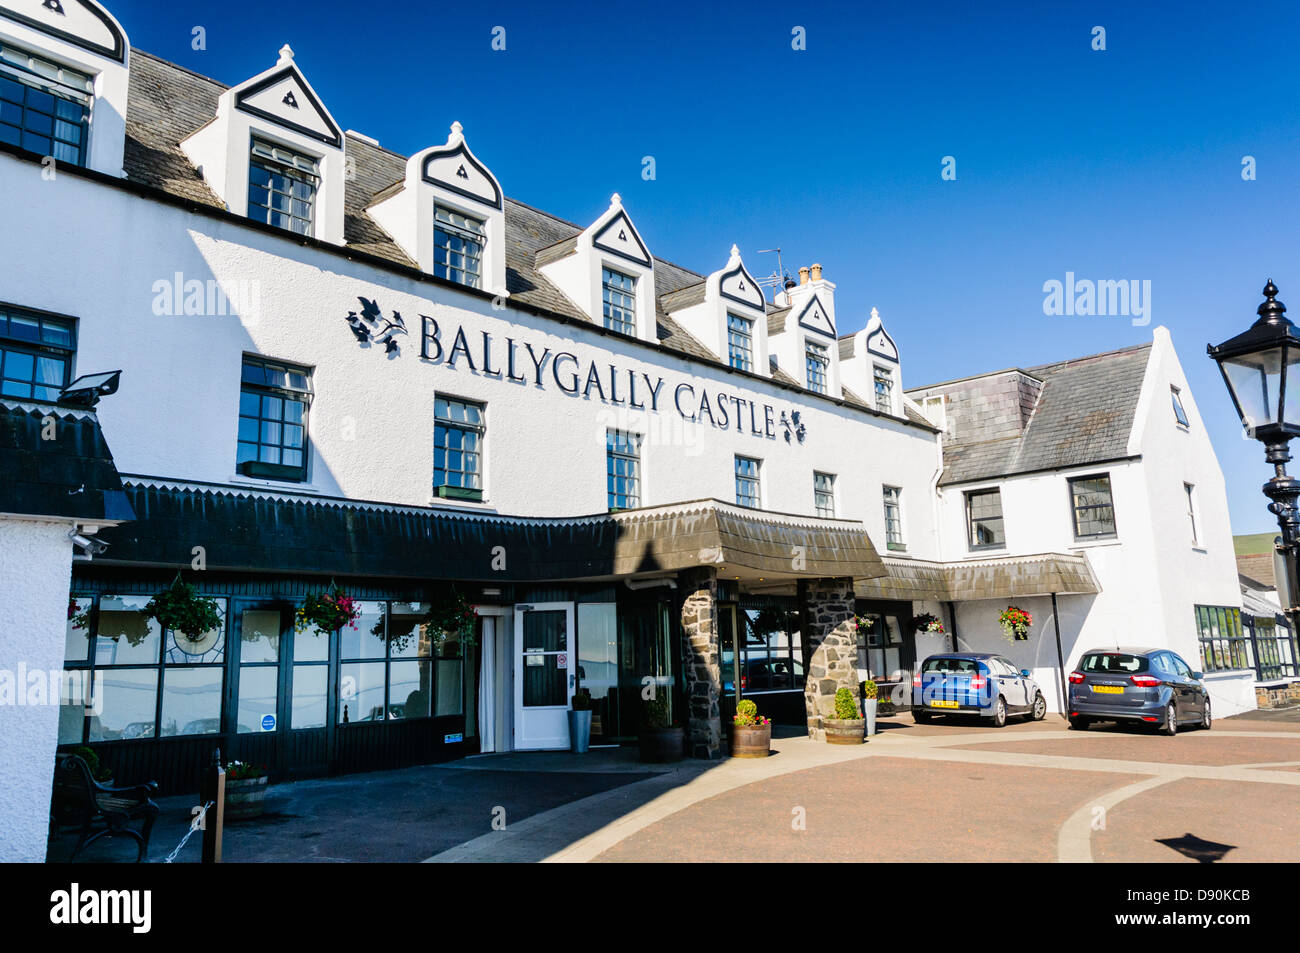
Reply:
x=1116, y=662
x=950, y=665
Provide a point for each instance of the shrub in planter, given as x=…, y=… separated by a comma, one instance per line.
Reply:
x=660, y=740
x=751, y=733
x=181, y=609
x=245, y=790
x=846, y=728
x=869, y=705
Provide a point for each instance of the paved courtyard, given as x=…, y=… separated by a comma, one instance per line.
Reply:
x=938, y=792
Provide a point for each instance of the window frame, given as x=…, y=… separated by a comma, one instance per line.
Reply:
x=1180, y=412
x=289, y=169
x=816, y=355
x=40, y=348
x=445, y=490
x=741, y=330
x=1113, y=533
x=634, y=499
x=828, y=491
x=756, y=479
x=971, y=544
x=900, y=543
x=607, y=305
x=257, y=468
x=881, y=373
x=1219, y=630
x=465, y=234
x=59, y=88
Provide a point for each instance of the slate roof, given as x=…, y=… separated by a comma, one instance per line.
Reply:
x=1068, y=414
x=70, y=476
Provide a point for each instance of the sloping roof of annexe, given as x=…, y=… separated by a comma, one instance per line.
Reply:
x=1082, y=414
x=247, y=530
x=71, y=476
x=1002, y=577
x=167, y=103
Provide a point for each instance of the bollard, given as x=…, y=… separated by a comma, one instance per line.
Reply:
x=213, y=790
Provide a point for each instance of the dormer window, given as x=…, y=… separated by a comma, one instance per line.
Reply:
x=282, y=187
x=618, y=300
x=817, y=359
x=44, y=107
x=740, y=342
x=884, y=386
x=458, y=242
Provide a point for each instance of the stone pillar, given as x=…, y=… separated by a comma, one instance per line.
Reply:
x=701, y=662
x=830, y=642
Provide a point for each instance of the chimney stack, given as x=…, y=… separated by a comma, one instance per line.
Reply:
x=803, y=275
x=816, y=272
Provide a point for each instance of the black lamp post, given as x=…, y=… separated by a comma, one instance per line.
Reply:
x=1256, y=365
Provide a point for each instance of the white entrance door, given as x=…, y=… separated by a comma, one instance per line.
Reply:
x=543, y=683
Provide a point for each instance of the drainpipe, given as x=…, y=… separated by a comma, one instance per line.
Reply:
x=952, y=624
x=1060, y=660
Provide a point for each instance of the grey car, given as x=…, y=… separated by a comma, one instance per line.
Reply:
x=1149, y=686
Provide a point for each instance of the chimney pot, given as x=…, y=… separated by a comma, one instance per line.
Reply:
x=816, y=272
x=803, y=275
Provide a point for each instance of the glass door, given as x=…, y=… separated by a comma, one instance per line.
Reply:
x=543, y=678
x=645, y=663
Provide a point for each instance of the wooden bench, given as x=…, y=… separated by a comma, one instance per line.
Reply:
x=96, y=809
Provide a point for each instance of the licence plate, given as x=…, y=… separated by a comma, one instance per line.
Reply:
x=942, y=704
x=1108, y=689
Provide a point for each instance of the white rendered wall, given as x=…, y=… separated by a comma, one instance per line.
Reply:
x=372, y=419
x=35, y=568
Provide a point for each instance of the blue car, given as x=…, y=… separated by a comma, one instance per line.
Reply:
x=975, y=683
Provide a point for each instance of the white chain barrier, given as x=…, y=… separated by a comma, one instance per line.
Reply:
x=195, y=825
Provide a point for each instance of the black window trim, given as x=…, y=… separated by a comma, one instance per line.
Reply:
x=465, y=493
x=1074, y=513
x=38, y=348
x=973, y=546
x=257, y=469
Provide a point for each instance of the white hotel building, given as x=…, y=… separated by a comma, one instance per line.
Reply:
x=343, y=364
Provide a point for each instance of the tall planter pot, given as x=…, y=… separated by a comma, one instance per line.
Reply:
x=754, y=741
x=658, y=746
x=579, y=731
x=245, y=798
x=844, y=731
x=869, y=714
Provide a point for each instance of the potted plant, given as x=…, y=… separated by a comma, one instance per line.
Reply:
x=181, y=609
x=846, y=728
x=326, y=611
x=245, y=790
x=1015, y=623
x=751, y=733
x=580, y=722
x=927, y=623
x=660, y=740
x=869, y=692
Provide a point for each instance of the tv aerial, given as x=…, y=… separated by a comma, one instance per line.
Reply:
x=779, y=279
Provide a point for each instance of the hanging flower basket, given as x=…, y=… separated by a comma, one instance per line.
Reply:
x=925, y=622
x=327, y=611
x=181, y=609
x=1015, y=623
x=455, y=619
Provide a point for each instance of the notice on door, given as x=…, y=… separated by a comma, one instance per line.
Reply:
x=561, y=661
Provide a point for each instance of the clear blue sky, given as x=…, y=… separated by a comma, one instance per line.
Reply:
x=1122, y=164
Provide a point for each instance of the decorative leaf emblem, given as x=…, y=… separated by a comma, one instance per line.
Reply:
x=371, y=327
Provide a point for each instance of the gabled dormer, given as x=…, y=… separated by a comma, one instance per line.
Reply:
x=806, y=345
x=727, y=313
x=607, y=271
x=63, y=81
x=871, y=368
x=448, y=213
x=275, y=154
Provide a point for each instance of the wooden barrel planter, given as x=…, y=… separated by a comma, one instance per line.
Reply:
x=752, y=742
x=245, y=798
x=663, y=745
x=844, y=731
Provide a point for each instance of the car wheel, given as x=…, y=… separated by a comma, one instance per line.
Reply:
x=1206, y=720
x=1170, y=727
x=1000, y=712
x=1079, y=724
x=1040, y=708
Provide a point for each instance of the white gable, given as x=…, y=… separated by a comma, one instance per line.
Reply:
x=285, y=99
x=454, y=167
x=620, y=237
x=81, y=22
x=815, y=317
x=881, y=344
x=739, y=285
